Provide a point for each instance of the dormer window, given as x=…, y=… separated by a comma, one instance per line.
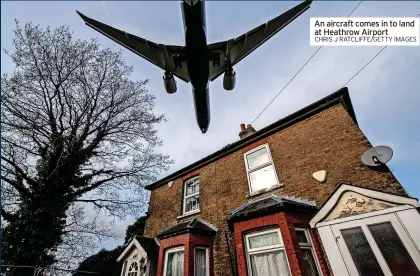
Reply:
x=192, y=195
x=260, y=169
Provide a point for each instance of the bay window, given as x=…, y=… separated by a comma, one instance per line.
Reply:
x=266, y=255
x=174, y=262
x=201, y=261
x=306, y=247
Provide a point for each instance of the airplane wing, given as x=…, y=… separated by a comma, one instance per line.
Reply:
x=158, y=54
x=234, y=50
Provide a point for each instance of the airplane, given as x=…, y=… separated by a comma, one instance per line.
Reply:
x=198, y=62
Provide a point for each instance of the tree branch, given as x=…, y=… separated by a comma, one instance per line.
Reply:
x=7, y=216
x=20, y=173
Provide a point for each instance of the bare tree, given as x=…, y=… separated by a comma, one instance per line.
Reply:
x=75, y=130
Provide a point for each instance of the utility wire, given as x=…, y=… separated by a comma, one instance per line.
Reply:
x=364, y=66
x=361, y=69
x=297, y=73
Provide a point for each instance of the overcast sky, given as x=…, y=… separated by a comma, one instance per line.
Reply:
x=386, y=95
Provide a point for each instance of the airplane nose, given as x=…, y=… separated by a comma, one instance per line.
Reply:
x=204, y=126
x=203, y=123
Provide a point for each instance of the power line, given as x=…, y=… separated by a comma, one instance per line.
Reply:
x=364, y=66
x=361, y=69
x=297, y=73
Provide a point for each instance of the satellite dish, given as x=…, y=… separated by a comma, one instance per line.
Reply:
x=377, y=156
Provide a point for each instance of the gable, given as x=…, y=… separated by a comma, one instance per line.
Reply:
x=349, y=200
x=135, y=253
x=132, y=251
x=352, y=203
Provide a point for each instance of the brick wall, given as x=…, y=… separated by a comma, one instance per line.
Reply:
x=189, y=242
x=329, y=140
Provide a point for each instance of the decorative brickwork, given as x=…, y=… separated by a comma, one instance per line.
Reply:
x=191, y=174
x=254, y=145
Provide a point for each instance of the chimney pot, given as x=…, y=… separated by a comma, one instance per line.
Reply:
x=245, y=132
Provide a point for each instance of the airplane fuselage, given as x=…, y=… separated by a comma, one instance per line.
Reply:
x=194, y=17
x=198, y=62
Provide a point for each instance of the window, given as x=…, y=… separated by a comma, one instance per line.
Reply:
x=201, y=261
x=192, y=195
x=266, y=255
x=377, y=245
x=133, y=270
x=174, y=262
x=309, y=258
x=260, y=169
x=393, y=249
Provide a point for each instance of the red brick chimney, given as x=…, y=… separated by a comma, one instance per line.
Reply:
x=245, y=132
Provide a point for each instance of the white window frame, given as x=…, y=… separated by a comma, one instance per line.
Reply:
x=363, y=224
x=185, y=196
x=248, y=171
x=265, y=249
x=309, y=245
x=172, y=250
x=207, y=259
x=124, y=268
x=128, y=272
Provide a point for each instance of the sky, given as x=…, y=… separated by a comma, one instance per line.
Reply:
x=385, y=95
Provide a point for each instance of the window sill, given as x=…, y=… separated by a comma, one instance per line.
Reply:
x=259, y=192
x=189, y=214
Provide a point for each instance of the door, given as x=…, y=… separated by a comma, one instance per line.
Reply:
x=377, y=246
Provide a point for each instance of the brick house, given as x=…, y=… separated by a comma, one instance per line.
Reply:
x=293, y=198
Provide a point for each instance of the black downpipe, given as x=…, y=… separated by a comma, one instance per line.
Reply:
x=230, y=255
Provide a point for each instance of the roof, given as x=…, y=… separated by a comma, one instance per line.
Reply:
x=268, y=205
x=196, y=226
x=149, y=245
x=339, y=97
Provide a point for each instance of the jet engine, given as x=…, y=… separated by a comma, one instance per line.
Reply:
x=169, y=82
x=229, y=79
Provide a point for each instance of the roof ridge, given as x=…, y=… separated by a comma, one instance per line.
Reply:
x=278, y=198
x=300, y=200
x=254, y=200
x=192, y=222
x=212, y=226
x=169, y=227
